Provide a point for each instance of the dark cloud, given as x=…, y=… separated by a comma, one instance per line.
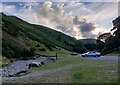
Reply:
x=87, y=34
x=62, y=28
x=87, y=27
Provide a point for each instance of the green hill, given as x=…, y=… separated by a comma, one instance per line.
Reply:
x=90, y=44
x=89, y=40
x=22, y=39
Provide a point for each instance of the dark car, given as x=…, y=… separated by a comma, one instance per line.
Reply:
x=74, y=54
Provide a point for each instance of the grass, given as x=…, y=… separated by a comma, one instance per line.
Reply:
x=87, y=71
x=95, y=72
x=4, y=61
x=114, y=54
x=61, y=52
x=60, y=63
x=19, y=36
x=84, y=71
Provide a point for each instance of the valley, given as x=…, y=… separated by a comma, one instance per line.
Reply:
x=22, y=41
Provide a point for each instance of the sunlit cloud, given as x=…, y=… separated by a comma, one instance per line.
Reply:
x=79, y=20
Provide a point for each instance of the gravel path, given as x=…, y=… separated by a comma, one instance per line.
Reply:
x=52, y=75
x=105, y=58
x=43, y=72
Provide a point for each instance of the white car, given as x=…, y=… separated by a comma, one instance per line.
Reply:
x=91, y=54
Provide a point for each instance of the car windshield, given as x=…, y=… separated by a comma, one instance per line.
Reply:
x=92, y=52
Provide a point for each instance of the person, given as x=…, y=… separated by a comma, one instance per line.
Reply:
x=56, y=56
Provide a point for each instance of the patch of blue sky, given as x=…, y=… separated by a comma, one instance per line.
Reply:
x=18, y=5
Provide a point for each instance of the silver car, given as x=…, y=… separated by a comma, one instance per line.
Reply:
x=91, y=54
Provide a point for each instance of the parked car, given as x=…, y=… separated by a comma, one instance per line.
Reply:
x=74, y=54
x=91, y=54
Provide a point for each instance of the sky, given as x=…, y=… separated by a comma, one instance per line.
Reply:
x=77, y=18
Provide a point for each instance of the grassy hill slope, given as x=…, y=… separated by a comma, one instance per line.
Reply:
x=22, y=39
x=89, y=40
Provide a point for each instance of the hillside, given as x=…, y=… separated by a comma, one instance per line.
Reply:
x=22, y=39
x=90, y=44
x=89, y=40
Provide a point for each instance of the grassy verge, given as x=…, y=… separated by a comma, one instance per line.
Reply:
x=95, y=72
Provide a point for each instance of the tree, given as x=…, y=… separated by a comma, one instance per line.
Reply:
x=101, y=40
x=110, y=42
x=116, y=27
x=103, y=37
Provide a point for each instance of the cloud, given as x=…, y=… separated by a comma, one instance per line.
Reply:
x=7, y=8
x=102, y=13
x=56, y=17
x=77, y=9
x=75, y=19
x=98, y=13
x=85, y=28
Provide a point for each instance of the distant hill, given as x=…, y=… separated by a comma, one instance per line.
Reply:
x=90, y=44
x=88, y=40
x=22, y=39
